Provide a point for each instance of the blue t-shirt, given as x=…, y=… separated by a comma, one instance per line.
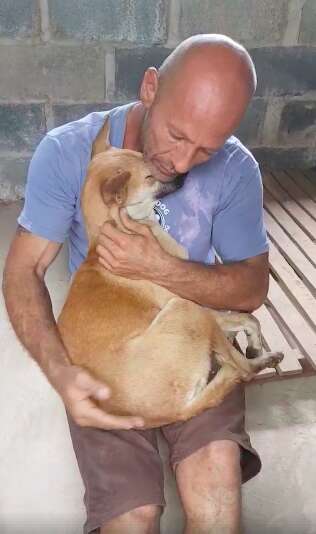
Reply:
x=219, y=207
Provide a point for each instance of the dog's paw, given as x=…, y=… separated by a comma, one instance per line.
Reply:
x=273, y=358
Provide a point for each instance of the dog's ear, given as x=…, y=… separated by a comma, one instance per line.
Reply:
x=114, y=189
x=102, y=140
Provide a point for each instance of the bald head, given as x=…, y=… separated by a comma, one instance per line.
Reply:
x=210, y=56
x=195, y=101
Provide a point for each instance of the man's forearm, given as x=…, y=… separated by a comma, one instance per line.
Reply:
x=30, y=311
x=235, y=286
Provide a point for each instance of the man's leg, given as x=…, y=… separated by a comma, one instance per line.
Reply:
x=142, y=520
x=209, y=484
x=123, y=478
x=211, y=454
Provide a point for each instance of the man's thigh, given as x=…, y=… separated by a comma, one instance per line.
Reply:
x=121, y=471
x=225, y=422
x=209, y=484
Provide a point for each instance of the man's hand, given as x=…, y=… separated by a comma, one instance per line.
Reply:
x=136, y=255
x=77, y=389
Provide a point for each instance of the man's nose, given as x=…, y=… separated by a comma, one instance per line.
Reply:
x=183, y=160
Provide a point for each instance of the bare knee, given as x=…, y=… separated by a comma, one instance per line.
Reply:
x=146, y=514
x=209, y=483
x=217, y=461
x=224, y=455
x=141, y=520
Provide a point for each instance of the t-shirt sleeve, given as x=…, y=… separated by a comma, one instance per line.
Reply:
x=238, y=228
x=50, y=197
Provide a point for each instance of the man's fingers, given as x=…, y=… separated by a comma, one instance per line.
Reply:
x=106, y=265
x=107, y=245
x=105, y=256
x=96, y=417
x=118, y=422
x=92, y=386
x=109, y=231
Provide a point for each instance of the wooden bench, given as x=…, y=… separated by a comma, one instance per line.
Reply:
x=288, y=317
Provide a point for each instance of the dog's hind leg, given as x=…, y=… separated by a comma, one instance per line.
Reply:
x=234, y=322
x=235, y=369
x=226, y=353
x=214, y=393
x=179, y=315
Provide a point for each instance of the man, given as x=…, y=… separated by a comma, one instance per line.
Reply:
x=183, y=124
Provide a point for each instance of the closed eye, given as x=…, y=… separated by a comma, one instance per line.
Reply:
x=149, y=176
x=177, y=137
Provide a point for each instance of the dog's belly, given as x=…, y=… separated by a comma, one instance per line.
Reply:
x=154, y=360
x=158, y=382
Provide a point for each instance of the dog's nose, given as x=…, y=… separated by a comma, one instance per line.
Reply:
x=165, y=188
x=179, y=180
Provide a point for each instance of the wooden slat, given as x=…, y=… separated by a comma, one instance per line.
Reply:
x=300, y=329
x=293, y=285
x=296, y=192
x=291, y=252
x=276, y=341
x=303, y=219
x=288, y=224
x=288, y=320
x=304, y=183
x=266, y=373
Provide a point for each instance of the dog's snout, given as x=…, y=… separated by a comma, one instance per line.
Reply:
x=179, y=180
x=165, y=188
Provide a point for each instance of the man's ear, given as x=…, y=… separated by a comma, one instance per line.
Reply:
x=149, y=87
x=114, y=189
x=102, y=140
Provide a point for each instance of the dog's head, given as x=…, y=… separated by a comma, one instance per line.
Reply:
x=118, y=178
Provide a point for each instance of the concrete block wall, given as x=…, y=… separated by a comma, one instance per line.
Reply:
x=60, y=60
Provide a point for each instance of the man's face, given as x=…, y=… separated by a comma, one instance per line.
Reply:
x=184, y=127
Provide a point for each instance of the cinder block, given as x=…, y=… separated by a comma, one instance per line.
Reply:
x=253, y=23
x=285, y=158
x=285, y=70
x=281, y=71
x=307, y=33
x=18, y=19
x=21, y=126
x=63, y=72
x=298, y=123
x=131, y=65
x=71, y=112
x=13, y=174
x=137, y=21
x=250, y=129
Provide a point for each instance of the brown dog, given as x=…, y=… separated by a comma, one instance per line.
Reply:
x=150, y=346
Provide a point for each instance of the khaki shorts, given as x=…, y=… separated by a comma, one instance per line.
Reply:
x=122, y=470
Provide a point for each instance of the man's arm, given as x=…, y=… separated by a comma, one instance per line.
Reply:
x=45, y=220
x=238, y=235
x=30, y=311
x=238, y=286
x=28, y=302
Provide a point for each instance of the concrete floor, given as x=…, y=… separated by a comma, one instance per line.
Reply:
x=41, y=489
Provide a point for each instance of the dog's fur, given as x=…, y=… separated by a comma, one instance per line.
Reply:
x=153, y=348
